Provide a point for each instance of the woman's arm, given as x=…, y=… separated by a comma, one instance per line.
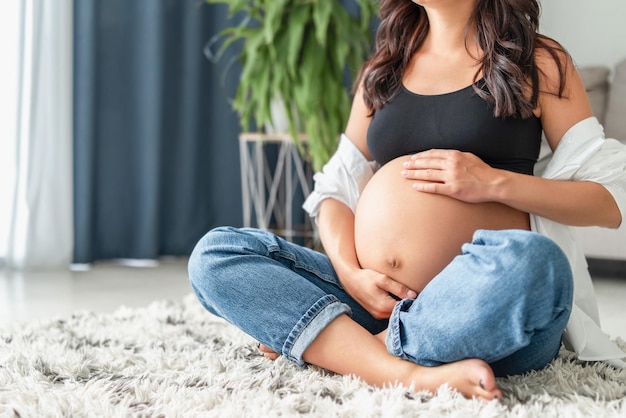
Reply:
x=577, y=203
x=569, y=202
x=466, y=177
x=370, y=289
x=336, y=227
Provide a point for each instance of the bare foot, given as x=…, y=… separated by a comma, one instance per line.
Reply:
x=473, y=378
x=268, y=352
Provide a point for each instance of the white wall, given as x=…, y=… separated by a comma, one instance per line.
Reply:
x=593, y=31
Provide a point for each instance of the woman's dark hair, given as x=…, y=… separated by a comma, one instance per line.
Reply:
x=506, y=32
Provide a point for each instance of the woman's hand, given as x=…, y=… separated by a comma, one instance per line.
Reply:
x=369, y=288
x=376, y=292
x=457, y=174
x=373, y=291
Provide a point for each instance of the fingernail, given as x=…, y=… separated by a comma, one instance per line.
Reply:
x=405, y=164
x=411, y=294
x=404, y=173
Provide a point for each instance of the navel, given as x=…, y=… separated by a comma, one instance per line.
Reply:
x=394, y=263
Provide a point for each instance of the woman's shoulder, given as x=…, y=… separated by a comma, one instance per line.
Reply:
x=563, y=100
x=554, y=65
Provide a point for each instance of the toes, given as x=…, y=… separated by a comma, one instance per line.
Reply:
x=485, y=395
x=268, y=352
x=488, y=388
x=484, y=385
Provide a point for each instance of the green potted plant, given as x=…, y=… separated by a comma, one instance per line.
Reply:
x=299, y=53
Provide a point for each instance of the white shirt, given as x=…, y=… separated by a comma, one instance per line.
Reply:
x=583, y=154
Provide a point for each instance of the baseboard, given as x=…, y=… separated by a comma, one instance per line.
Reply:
x=607, y=268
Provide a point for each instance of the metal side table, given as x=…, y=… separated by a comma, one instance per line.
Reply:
x=270, y=186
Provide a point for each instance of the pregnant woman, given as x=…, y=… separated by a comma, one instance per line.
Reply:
x=431, y=274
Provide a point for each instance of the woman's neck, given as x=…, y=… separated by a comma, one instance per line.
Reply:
x=448, y=29
x=447, y=60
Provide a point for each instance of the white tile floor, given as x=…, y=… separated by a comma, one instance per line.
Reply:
x=104, y=288
x=34, y=295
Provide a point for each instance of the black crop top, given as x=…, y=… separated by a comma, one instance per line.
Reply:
x=460, y=120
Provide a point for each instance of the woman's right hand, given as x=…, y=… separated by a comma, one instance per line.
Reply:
x=376, y=292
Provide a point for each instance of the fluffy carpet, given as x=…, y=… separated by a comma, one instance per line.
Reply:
x=174, y=359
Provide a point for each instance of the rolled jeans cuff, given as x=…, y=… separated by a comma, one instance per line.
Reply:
x=393, y=340
x=314, y=321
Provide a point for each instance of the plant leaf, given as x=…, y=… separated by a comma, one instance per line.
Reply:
x=234, y=6
x=298, y=22
x=301, y=51
x=274, y=14
x=322, y=11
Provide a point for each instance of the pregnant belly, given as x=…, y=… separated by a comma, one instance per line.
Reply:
x=411, y=236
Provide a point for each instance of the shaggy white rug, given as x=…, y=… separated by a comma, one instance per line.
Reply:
x=174, y=359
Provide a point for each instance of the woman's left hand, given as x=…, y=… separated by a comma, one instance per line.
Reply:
x=460, y=175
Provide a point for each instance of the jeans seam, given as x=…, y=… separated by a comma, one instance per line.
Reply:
x=306, y=267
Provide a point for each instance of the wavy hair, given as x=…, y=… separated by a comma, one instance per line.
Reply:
x=506, y=31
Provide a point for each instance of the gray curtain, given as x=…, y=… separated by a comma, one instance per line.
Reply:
x=156, y=159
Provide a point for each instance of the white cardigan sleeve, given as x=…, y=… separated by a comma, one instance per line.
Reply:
x=583, y=154
x=342, y=178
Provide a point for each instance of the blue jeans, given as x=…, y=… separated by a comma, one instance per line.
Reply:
x=506, y=299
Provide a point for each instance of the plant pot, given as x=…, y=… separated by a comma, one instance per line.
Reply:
x=280, y=121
